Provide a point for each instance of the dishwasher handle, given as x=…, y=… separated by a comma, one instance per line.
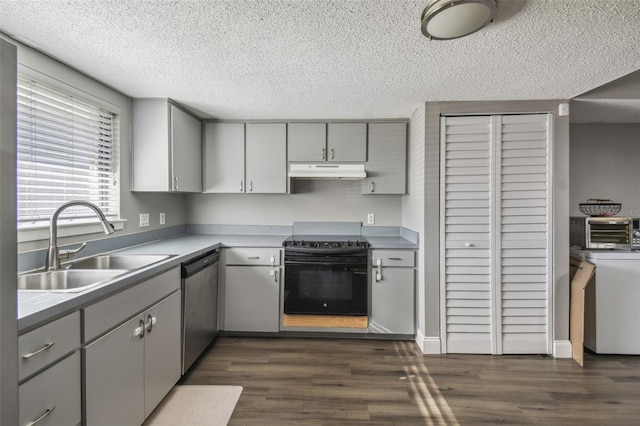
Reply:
x=196, y=265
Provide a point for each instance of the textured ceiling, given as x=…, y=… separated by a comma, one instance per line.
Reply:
x=330, y=59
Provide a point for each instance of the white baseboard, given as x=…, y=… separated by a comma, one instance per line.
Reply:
x=428, y=345
x=562, y=349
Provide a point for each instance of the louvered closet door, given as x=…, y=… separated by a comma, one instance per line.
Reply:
x=496, y=250
x=466, y=172
x=524, y=233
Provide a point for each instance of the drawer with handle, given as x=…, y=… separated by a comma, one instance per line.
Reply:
x=45, y=345
x=393, y=258
x=253, y=256
x=53, y=397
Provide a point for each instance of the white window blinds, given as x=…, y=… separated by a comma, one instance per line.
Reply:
x=65, y=151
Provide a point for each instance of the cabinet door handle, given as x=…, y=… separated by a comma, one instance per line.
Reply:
x=250, y=186
x=241, y=186
x=394, y=258
x=151, y=321
x=372, y=188
x=379, y=272
x=45, y=414
x=332, y=153
x=139, y=331
x=42, y=349
x=253, y=257
x=324, y=154
x=273, y=260
x=468, y=244
x=176, y=184
x=276, y=275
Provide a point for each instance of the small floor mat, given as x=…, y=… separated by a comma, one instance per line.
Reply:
x=196, y=405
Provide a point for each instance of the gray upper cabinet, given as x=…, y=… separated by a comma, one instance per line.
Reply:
x=224, y=158
x=387, y=160
x=347, y=142
x=167, y=148
x=307, y=142
x=245, y=158
x=318, y=142
x=266, y=158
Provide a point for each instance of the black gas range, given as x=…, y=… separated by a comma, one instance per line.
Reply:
x=326, y=274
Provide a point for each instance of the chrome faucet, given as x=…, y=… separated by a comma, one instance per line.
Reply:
x=54, y=254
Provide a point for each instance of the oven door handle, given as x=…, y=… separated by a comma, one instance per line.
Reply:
x=325, y=262
x=325, y=251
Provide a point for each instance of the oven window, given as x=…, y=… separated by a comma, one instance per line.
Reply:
x=328, y=286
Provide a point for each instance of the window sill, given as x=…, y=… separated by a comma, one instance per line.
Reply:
x=66, y=228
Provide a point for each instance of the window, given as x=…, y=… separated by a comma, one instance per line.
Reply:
x=65, y=151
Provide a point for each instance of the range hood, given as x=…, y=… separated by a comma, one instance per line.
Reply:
x=327, y=171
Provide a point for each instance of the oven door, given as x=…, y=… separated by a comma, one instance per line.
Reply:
x=325, y=284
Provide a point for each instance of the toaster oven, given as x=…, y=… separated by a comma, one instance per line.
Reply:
x=616, y=233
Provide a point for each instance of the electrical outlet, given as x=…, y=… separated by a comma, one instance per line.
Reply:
x=144, y=220
x=162, y=219
x=371, y=219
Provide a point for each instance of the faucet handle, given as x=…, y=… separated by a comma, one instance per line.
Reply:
x=68, y=254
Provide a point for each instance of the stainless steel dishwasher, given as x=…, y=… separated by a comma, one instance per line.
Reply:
x=199, y=306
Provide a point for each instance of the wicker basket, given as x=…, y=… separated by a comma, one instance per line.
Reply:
x=600, y=208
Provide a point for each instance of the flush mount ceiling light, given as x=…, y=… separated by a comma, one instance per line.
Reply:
x=449, y=19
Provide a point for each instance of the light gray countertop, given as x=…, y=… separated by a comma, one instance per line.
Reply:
x=37, y=308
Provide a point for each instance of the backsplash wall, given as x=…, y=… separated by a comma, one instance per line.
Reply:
x=315, y=200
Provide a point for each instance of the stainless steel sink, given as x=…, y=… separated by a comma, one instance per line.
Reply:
x=66, y=280
x=116, y=261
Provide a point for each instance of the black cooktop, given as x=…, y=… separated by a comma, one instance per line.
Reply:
x=326, y=241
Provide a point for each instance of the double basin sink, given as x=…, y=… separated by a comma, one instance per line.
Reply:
x=85, y=273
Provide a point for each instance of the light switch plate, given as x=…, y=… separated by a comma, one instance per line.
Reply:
x=144, y=220
x=371, y=219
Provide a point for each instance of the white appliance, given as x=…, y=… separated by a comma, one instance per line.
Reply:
x=612, y=303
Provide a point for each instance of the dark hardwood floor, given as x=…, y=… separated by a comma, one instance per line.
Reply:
x=309, y=381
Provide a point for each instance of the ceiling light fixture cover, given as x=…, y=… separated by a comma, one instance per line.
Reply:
x=449, y=19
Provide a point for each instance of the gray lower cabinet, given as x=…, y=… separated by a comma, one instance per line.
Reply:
x=162, y=350
x=393, y=292
x=53, y=396
x=131, y=368
x=49, y=361
x=252, y=298
x=387, y=159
